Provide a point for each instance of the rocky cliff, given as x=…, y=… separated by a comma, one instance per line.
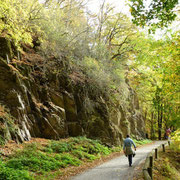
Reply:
x=37, y=100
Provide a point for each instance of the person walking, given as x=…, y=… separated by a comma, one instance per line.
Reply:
x=168, y=132
x=127, y=148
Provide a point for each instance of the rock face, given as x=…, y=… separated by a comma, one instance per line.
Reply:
x=5, y=48
x=47, y=105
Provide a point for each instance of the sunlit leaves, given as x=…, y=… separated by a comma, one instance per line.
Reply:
x=155, y=76
x=154, y=13
x=17, y=20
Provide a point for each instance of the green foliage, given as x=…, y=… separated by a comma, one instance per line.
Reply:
x=176, y=135
x=116, y=149
x=39, y=160
x=169, y=171
x=167, y=165
x=155, y=13
x=36, y=161
x=59, y=147
x=154, y=77
x=97, y=45
x=175, y=144
x=64, y=27
x=49, y=175
x=33, y=161
x=7, y=173
x=79, y=154
x=78, y=146
x=141, y=142
x=17, y=20
x=68, y=159
x=90, y=157
x=84, y=155
x=103, y=75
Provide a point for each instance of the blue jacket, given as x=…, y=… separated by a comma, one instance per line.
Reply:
x=128, y=142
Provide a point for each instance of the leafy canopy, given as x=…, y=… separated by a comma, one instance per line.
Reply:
x=153, y=13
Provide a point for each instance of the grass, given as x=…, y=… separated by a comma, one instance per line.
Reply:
x=35, y=161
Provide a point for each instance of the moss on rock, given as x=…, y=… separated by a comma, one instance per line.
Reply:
x=5, y=48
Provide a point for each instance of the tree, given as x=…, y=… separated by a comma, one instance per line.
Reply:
x=154, y=75
x=154, y=13
x=18, y=20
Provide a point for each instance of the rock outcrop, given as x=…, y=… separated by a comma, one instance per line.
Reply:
x=47, y=104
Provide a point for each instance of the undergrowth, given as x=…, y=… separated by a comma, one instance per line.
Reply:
x=141, y=142
x=175, y=145
x=7, y=173
x=35, y=161
x=167, y=166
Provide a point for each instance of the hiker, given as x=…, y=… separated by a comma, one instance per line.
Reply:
x=127, y=148
x=168, y=132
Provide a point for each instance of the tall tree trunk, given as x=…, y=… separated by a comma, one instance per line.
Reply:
x=160, y=118
x=159, y=131
x=152, y=125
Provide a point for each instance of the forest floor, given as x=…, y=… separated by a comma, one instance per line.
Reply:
x=167, y=166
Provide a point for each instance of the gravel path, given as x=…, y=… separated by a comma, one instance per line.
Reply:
x=117, y=169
